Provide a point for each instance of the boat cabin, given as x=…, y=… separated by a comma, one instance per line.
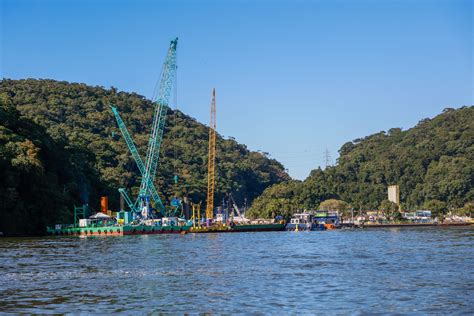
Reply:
x=327, y=217
x=301, y=218
x=169, y=221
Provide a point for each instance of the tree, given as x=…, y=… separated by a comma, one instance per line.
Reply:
x=389, y=206
x=390, y=209
x=335, y=205
x=431, y=161
x=59, y=141
x=437, y=207
x=280, y=199
x=467, y=209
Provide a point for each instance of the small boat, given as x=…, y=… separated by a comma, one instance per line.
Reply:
x=304, y=222
x=330, y=219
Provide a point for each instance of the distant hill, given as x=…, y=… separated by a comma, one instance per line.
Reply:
x=60, y=146
x=432, y=162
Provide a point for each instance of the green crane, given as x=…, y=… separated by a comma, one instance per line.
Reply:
x=138, y=160
x=148, y=169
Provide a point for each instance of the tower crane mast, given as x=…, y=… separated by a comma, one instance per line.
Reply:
x=211, y=167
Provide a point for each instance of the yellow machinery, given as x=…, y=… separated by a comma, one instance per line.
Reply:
x=196, y=212
x=211, y=163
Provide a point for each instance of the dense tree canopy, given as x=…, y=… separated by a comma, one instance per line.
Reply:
x=60, y=146
x=62, y=139
x=433, y=161
x=334, y=205
x=41, y=178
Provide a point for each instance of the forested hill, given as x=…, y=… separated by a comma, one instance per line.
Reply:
x=432, y=162
x=60, y=146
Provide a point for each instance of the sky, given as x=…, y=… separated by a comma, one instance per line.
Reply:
x=293, y=78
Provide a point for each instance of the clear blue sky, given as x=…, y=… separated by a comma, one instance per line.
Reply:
x=292, y=77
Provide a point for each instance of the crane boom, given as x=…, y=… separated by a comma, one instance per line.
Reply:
x=159, y=118
x=149, y=167
x=138, y=160
x=161, y=128
x=236, y=208
x=127, y=199
x=211, y=161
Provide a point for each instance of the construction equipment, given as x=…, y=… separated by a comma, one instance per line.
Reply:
x=148, y=168
x=80, y=212
x=234, y=205
x=211, y=161
x=138, y=160
x=196, y=214
x=240, y=218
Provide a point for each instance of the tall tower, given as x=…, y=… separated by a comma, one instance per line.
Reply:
x=393, y=193
x=211, y=161
x=327, y=158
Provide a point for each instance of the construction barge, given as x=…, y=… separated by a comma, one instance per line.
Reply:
x=107, y=223
x=117, y=230
x=243, y=228
x=147, y=214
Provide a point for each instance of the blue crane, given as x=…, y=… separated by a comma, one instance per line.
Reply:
x=148, y=169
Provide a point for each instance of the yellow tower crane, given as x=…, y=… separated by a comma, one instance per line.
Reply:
x=211, y=162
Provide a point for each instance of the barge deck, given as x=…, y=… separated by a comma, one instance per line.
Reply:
x=117, y=230
x=153, y=230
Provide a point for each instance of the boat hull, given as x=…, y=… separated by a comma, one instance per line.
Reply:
x=118, y=230
x=239, y=228
x=154, y=230
x=305, y=227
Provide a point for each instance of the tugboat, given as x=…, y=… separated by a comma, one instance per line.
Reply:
x=304, y=222
x=329, y=219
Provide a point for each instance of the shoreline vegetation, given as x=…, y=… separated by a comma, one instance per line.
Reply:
x=433, y=164
x=59, y=147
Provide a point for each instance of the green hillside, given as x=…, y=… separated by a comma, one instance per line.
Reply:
x=59, y=146
x=432, y=162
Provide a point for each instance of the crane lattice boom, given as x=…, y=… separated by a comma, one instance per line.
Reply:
x=159, y=117
x=149, y=167
x=138, y=160
x=211, y=168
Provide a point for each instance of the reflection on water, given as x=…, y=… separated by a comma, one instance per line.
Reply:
x=409, y=270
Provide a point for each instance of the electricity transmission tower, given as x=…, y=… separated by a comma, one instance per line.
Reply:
x=327, y=158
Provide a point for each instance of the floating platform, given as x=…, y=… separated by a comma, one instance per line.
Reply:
x=153, y=230
x=117, y=230
x=238, y=228
x=413, y=225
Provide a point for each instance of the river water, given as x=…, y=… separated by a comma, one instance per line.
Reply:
x=409, y=270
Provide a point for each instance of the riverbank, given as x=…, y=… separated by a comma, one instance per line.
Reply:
x=413, y=225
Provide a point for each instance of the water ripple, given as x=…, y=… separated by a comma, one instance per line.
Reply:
x=409, y=270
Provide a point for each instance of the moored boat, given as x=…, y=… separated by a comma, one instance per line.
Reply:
x=304, y=222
